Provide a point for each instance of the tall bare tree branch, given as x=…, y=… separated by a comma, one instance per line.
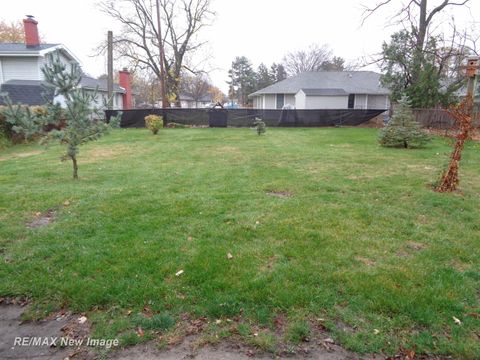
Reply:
x=138, y=41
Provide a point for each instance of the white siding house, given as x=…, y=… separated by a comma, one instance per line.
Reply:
x=21, y=75
x=325, y=90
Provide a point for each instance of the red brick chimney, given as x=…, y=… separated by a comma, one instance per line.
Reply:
x=125, y=82
x=31, y=31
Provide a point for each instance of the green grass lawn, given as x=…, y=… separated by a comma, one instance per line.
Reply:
x=360, y=240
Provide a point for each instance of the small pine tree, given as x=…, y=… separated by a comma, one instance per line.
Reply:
x=260, y=126
x=402, y=131
x=83, y=122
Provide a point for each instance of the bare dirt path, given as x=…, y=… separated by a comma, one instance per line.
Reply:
x=51, y=331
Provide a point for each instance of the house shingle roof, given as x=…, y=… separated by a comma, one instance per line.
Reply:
x=29, y=92
x=32, y=92
x=88, y=82
x=351, y=82
x=22, y=48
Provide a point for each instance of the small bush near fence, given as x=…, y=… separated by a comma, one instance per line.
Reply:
x=154, y=123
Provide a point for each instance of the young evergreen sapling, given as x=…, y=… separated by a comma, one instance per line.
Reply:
x=84, y=121
x=402, y=131
x=260, y=126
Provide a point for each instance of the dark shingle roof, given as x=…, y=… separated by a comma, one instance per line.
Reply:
x=28, y=92
x=327, y=92
x=352, y=82
x=88, y=82
x=31, y=92
x=22, y=48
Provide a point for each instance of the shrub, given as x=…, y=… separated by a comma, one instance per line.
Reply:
x=154, y=123
x=260, y=126
x=402, y=131
x=4, y=129
x=22, y=123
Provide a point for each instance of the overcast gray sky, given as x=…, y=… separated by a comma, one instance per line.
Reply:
x=262, y=30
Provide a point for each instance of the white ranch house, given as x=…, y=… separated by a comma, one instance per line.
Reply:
x=21, y=76
x=325, y=90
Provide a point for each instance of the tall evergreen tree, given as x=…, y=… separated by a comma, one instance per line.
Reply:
x=264, y=77
x=278, y=72
x=242, y=76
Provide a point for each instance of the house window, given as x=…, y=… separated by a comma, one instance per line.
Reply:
x=280, y=100
x=351, y=101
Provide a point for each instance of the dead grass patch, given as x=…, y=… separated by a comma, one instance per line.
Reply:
x=365, y=261
x=268, y=266
x=21, y=155
x=415, y=246
x=103, y=153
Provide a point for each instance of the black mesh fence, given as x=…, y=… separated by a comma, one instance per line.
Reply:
x=246, y=117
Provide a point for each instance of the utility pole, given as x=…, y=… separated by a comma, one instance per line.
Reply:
x=110, y=69
x=165, y=102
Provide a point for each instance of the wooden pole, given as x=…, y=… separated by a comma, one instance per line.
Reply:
x=165, y=102
x=110, y=69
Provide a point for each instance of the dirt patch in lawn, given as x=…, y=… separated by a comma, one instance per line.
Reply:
x=280, y=194
x=42, y=219
x=13, y=330
x=416, y=246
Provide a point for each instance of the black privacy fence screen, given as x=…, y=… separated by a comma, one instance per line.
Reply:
x=245, y=117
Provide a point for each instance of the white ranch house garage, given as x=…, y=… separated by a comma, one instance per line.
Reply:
x=325, y=90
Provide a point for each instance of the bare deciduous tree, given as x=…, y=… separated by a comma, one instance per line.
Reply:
x=138, y=41
x=419, y=16
x=311, y=59
x=11, y=32
x=197, y=87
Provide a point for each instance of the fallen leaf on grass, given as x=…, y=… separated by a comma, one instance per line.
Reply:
x=229, y=256
x=66, y=203
x=140, y=332
x=376, y=331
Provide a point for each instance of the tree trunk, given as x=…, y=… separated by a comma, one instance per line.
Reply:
x=421, y=34
x=75, y=167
